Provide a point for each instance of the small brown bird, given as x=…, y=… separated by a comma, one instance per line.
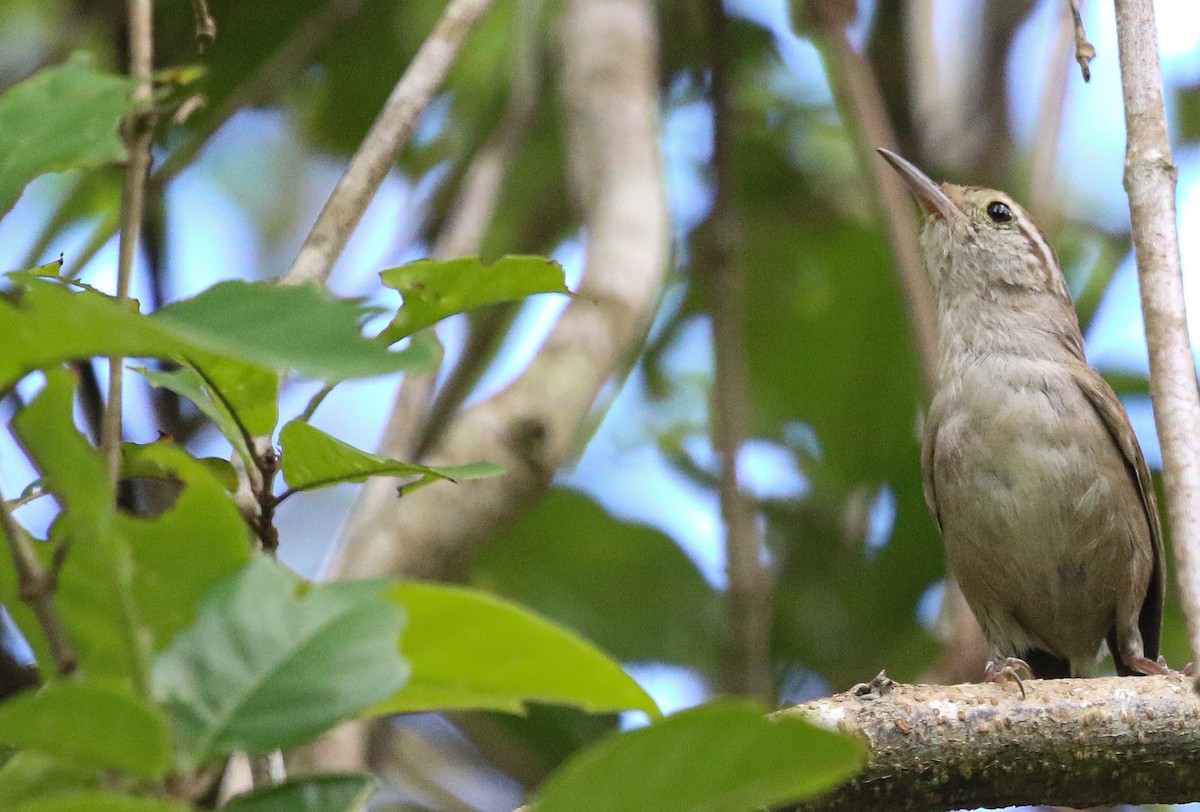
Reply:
x=1030, y=465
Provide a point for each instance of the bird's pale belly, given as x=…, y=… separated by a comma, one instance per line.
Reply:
x=1036, y=514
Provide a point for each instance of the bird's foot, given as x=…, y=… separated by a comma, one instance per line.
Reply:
x=876, y=688
x=1144, y=665
x=1008, y=671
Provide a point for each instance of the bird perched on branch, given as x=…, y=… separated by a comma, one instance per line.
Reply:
x=1031, y=467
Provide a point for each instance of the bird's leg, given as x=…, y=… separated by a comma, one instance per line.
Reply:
x=1008, y=670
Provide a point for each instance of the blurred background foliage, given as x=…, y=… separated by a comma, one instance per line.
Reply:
x=626, y=547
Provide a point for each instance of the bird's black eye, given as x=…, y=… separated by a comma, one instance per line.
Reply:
x=999, y=212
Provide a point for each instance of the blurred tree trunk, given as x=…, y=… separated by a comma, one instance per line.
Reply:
x=609, y=83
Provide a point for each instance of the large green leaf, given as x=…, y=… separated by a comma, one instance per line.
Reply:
x=299, y=328
x=61, y=118
x=723, y=757
x=181, y=554
x=627, y=587
x=98, y=801
x=95, y=589
x=470, y=650
x=316, y=793
x=127, y=581
x=90, y=725
x=434, y=289
x=272, y=661
x=312, y=459
x=29, y=775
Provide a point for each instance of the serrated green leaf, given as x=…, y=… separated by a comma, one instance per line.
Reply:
x=316, y=793
x=29, y=775
x=272, y=661
x=434, y=289
x=313, y=459
x=470, y=650
x=722, y=757
x=283, y=328
x=90, y=725
x=98, y=801
x=61, y=118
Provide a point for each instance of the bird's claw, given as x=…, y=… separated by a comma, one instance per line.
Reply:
x=1144, y=665
x=1008, y=671
x=875, y=689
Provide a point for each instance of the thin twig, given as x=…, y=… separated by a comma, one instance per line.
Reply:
x=272, y=75
x=747, y=667
x=36, y=586
x=1043, y=174
x=139, y=132
x=866, y=120
x=387, y=137
x=206, y=25
x=1085, y=52
x=416, y=421
x=1150, y=177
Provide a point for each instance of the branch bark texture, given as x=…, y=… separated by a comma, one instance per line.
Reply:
x=1150, y=177
x=609, y=85
x=1071, y=742
x=387, y=137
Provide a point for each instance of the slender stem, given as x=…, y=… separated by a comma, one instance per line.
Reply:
x=36, y=587
x=139, y=132
x=1150, y=177
x=272, y=74
x=206, y=26
x=747, y=668
x=418, y=417
x=866, y=120
x=1085, y=52
x=1043, y=175
x=387, y=137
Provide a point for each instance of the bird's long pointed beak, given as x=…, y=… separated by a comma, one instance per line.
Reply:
x=928, y=194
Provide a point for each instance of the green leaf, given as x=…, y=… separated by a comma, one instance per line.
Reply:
x=312, y=459
x=722, y=757
x=282, y=328
x=182, y=553
x=186, y=381
x=89, y=725
x=61, y=118
x=29, y=775
x=435, y=289
x=470, y=650
x=272, y=661
x=98, y=801
x=627, y=587
x=317, y=793
x=299, y=327
x=94, y=594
